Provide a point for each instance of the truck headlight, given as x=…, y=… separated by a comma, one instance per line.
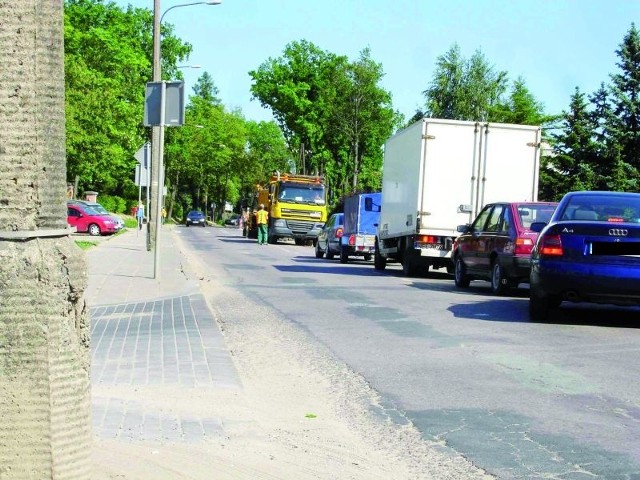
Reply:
x=279, y=223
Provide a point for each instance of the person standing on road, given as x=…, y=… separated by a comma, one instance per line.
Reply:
x=262, y=219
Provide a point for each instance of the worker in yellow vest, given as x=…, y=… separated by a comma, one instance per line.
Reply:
x=262, y=220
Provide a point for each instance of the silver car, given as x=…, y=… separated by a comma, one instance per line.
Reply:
x=328, y=242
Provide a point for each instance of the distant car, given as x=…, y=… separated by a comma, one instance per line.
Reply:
x=102, y=211
x=233, y=220
x=196, y=217
x=497, y=245
x=328, y=241
x=588, y=252
x=86, y=219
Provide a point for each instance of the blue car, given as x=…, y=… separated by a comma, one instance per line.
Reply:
x=196, y=217
x=588, y=252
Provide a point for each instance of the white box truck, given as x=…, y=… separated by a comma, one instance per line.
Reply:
x=437, y=174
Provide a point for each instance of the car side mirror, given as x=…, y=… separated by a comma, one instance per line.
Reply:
x=466, y=228
x=537, y=226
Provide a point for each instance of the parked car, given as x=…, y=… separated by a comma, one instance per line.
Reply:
x=328, y=241
x=233, y=220
x=497, y=245
x=588, y=252
x=86, y=219
x=102, y=211
x=196, y=217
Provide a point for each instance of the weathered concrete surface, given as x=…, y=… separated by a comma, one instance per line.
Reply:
x=44, y=364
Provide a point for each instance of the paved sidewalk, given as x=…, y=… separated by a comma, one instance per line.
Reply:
x=149, y=333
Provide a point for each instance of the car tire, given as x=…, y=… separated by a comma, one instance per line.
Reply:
x=461, y=278
x=319, y=253
x=367, y=257
x=187, y=224
x=94, y=230
x=329, y=253
x=344, y=255
x=379, y=262
x=540, y=305
x=500, y=285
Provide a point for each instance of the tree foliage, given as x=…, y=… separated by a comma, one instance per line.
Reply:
x=334, y=115
x=108, y=54
x=598, y=146
x=464, y=89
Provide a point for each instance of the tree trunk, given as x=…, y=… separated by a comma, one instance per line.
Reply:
x=45, y=401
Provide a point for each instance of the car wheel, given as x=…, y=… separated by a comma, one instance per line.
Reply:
x=541, y=304
x=319, y=253
x=94, y=230
x=329, y=253
x=344, y=255
x=204, y=225
x=379, y=262
x=367, y=257
x=499, y=284
x=461, y=278
x=187, y=224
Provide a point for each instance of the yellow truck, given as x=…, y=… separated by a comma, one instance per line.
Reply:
x=297, y=207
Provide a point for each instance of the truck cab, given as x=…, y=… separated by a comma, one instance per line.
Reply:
x=297, y=207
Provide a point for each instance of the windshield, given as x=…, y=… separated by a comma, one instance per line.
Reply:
x=90, y=210
x=305, y=193
x=99, y=208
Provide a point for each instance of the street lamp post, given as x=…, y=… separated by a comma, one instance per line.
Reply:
x=157, y=139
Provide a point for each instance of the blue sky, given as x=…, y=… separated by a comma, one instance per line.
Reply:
x=555, y=45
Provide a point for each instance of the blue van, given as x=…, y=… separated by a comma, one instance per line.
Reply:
x=361, y=217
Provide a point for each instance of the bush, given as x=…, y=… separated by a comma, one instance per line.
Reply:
x=113, y=204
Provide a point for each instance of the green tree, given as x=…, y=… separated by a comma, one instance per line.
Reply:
x=107, y=64
x=333, y=113
x=521, y=108
x=625, y=99
x=464, y=89
x=362, y=118
x=570, y=166
x=293, y=87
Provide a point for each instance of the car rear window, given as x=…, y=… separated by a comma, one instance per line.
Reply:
x=534, y=213
x=603, y=208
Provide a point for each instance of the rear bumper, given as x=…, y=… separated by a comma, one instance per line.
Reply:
x=587, y=282
x=517, y=267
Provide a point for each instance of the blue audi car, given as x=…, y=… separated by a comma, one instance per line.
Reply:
x=588, y=252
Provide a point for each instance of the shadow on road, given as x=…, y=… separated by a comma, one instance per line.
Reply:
x=323, y=267
x=516, y=310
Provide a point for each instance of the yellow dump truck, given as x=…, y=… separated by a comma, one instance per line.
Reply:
x=297, y=207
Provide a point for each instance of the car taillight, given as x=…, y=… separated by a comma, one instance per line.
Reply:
x=523, y=246
x=551, y=246
x=352, y=240
x=339, y=232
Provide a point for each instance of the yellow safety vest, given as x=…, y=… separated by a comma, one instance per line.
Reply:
x=261, y=217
